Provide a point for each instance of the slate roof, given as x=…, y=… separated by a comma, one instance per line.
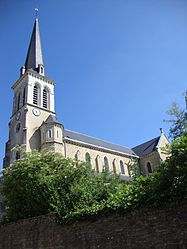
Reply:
x=97, y=142
x=147, y=147
x=34, y=54
x=51, y=119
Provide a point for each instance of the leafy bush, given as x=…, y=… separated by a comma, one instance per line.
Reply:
x=43, y=183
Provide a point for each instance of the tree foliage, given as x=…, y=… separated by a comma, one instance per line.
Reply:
x=166, y=185
x=134, y=168
x=48, y=183
x=178, y=121
x=43, y=183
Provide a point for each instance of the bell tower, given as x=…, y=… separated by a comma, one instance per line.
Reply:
x=33, y=102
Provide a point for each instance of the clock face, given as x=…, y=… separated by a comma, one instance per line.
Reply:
x=36, y=112
x=18, y=115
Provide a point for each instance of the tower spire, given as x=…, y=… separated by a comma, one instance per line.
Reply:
x=34, y=59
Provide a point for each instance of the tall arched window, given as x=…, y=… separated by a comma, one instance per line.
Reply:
x=45, y=98
x=106, y=164
x=97, y=164
x=18, y=103
x=114, y=166
x=36, y=95
x=149, y=168
x=77, y=155
x=24, y=95
x=18, y=155
x=87, y=158
x=50, y=133
x=122, y=168
x=128, y=169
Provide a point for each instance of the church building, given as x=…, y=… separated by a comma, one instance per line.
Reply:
x=33, y=125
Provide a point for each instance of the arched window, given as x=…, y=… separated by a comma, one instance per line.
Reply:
x=149, y=168
x=24, y=95
x=87, y=158
x=97, y=164
x=122, y=168
x=77, y=155
x=50, y=133
x=17, y=155
x=18, y=126
x=18, y=103
x=36, y=95
x=128, y=168
x=106, y=164
x=57, y=133
x=114, y=166
x=45, y=98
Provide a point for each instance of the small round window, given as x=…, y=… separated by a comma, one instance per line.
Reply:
x=18, y=126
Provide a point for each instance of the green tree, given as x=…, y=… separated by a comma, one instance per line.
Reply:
x=178, y=120
x=134, y=168
x=168, y=183
x=42, y=183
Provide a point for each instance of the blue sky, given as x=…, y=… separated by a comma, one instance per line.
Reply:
x=117, y=64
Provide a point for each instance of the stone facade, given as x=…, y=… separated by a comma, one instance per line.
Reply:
x=156, y=157
x=79, y=151
x=161, y=229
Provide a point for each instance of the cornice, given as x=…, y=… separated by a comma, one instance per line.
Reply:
x=50, y=142
x=99, y=148
x=40, y=77
x=34, y=106
x=19, y=80
x=35, y=75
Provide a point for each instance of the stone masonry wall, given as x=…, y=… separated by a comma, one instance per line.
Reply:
x=161, y=229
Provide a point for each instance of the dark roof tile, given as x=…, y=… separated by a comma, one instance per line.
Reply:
x=97, y=142
x=147, y=147
x=51, y=119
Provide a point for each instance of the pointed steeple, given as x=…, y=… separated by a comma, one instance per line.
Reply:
x=34, y=58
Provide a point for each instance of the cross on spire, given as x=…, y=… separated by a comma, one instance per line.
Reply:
x=36, y=12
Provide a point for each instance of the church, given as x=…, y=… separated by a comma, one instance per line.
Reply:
x=33, y=125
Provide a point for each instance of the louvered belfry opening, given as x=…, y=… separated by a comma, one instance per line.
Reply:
x=35, y=95
x=45, y=104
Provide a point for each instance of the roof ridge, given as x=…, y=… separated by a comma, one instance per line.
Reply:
x=146, y=142
x=99, y=139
